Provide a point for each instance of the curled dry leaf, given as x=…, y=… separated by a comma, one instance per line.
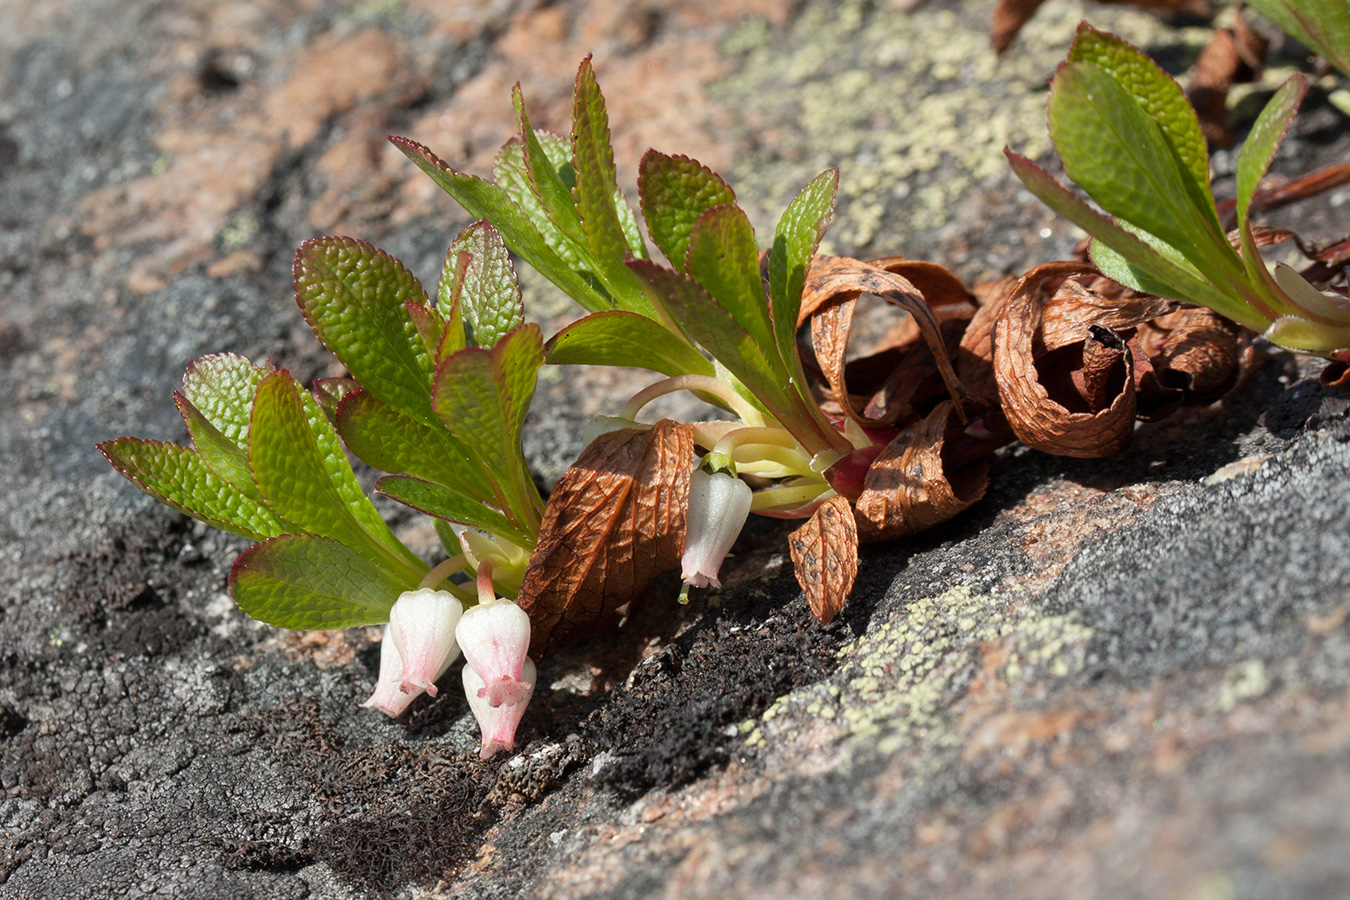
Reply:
x=1065, y=389
x=832, y=289
x=1336, y=375
x=1196, y=352
x=928, y=474
x=825, y=557
x=1230, y=57
x=975, y=355
x=902, y=376
x=615, y=520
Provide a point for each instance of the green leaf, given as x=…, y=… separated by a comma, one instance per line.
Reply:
x=431, y=325
x=1264, y=140
x=1323, y=25
x=353, y=296
x=181, y=479
x=722, y=257
x=221, y=386
x=385, y=439
x=599, y=199
x=303, y=581
x=222, y=455
x=1297, y=333
x=330, y=392
x=1154, y=90
x=1113, y=150
x=637, y=248
x=449, y=540
x=720, y=334
x=484, y=200
x=551, y=182
x=303, y=474
x=511, y=171
x=1180, y=284
x=478, y=284
x=794, y=246
x=444, y=503
x=619, y=338
x=1253, y=162
x=482, y=396
x=674, y=192
x=596, y=191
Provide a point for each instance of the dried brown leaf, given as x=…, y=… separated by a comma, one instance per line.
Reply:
x=832, y=289
x=975, y=357
x=1040, y=341
x=1229, y=58
x=1009, y=17
x=1284, y=191
x=1102, y=355
x=1069, y=309
x=825, y=557
x=614, y=521
x=920, y=479
x=1336, y=375
x=1197, y=352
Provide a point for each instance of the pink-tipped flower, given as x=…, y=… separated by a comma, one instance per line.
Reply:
x=498, y=723
x=718, y=507
x=423, y=625
x=389, y=695
x=495, y=638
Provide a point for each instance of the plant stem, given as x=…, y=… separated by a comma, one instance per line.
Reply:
x=486, y=592
x=704, y=384
x=789, y=496
x=444, y=570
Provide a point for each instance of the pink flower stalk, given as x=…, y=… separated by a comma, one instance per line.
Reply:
x=495, y=638
x=498, y=723
x=423, y=625
x=718, y=507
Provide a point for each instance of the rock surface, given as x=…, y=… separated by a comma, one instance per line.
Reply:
x=1115, y=678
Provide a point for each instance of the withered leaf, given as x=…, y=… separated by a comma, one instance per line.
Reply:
x=975, y=356
x=1044, y=405
x=1282, y=192
x=614, y=521
x=831, y=294
x=1229, y=58
x=825, y=557
x=917, y=482
x=1067, y=308
x=1198, y=352
x=1102, y=354
x=1336, y=375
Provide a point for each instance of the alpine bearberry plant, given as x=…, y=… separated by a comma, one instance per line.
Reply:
x=863, y=448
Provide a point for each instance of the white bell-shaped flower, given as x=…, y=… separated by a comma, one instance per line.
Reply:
x=718, y=507
x=423, y=625
x=495, y=638
x=389, y=695
x=498, y=723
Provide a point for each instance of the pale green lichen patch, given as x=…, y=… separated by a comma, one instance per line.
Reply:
x=911, y=105
x=1246, y=680
x=896, y=684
